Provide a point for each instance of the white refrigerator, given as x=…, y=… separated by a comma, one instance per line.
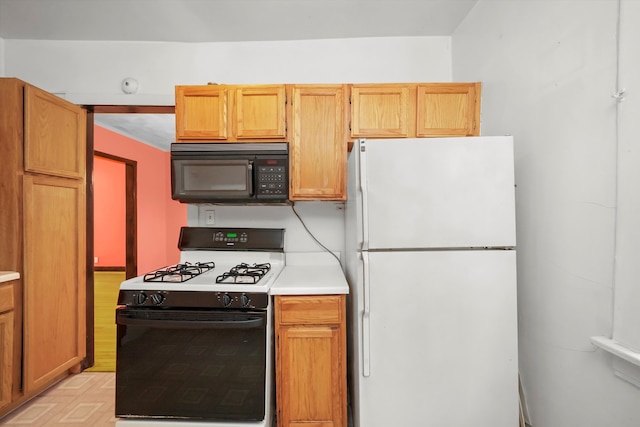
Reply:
x=431, y=265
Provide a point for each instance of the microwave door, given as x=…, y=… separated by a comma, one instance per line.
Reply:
x=208, y=179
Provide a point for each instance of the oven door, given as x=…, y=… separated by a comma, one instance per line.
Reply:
x=191, y=364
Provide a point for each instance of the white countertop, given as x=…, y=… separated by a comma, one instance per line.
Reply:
x=5, y=276
x=310, y=273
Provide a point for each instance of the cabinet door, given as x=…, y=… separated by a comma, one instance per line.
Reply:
x=318, y=146
x=448, y=109
x=260, y=112
x=54, y=277
x=201, y=112
x=6, y=357
x=55, y=132
x=382, y=110
x=311, y=361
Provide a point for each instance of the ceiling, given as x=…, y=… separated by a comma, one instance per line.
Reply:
x=200, y=21
x=157, y=130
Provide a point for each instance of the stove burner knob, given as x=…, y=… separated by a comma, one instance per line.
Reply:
x=157, y=299
x=139, y=298
x=245, y=300
x=226, y=300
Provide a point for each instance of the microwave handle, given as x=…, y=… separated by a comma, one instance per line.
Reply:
x=251, y=178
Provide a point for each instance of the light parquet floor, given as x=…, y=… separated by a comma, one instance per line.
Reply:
x=86, y=399
x=106, y=286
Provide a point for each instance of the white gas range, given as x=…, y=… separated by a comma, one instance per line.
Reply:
x=195, y=340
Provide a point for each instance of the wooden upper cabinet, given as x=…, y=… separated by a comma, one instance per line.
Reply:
x=448, y=109
x=201, y=112
x=55, y=132
x=260, y=112
x=231, y=113
x=415, y=110
x=382, y=110
x=318, y=145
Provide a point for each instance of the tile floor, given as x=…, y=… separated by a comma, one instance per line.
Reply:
x=85, y=399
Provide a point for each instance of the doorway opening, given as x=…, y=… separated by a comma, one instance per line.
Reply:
x=115, y=247
x=131, y=261
x=129, y=219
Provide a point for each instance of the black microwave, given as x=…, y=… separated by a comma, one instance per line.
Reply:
x=235, y=173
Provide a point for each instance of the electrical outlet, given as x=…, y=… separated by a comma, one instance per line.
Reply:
x=209, y=217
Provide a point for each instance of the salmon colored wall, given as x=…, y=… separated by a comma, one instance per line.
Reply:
x=159, y=217
x=109, y=206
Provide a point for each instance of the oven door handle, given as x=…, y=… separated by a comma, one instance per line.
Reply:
x=257, y=322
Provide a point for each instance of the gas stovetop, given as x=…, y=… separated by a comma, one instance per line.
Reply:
x=227, y=266
x=179, y=272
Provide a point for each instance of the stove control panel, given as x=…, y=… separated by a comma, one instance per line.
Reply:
x=193, y=299
x=239, y=239
x=230, y=236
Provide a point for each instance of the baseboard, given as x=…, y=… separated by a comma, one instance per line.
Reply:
x=107, y=268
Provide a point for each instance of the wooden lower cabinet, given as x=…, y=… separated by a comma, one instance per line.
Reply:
x=311, y=361
x=6, y=343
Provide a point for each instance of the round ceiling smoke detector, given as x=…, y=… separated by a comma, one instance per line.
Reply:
x=129, y=85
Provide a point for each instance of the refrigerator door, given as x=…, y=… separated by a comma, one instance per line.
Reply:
x=436, y=192
x=439, y=341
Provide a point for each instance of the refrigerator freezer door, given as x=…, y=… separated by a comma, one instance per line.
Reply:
x=443, y=340
x=437, y=192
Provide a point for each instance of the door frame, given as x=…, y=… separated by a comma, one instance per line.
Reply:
x=89, y=361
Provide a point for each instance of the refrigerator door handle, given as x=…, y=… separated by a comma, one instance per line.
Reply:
x=364, y=191
x=366, y=318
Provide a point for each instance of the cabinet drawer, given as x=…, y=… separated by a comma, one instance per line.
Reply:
x=6, y=297
x=316, y=309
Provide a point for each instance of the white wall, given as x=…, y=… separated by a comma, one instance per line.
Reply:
x=324, y=220
x=91, y=73
x=548, y=70
x=626, y=312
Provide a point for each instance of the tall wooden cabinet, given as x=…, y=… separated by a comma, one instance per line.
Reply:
x=43, y=226
x=311, y=359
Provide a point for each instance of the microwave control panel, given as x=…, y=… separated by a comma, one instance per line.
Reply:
x=272, y=178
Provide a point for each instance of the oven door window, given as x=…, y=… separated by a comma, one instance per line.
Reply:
x=230, y=179
x=188, y=364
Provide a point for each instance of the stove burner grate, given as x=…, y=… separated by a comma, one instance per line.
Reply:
x=244, y=273
x=179, y=272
